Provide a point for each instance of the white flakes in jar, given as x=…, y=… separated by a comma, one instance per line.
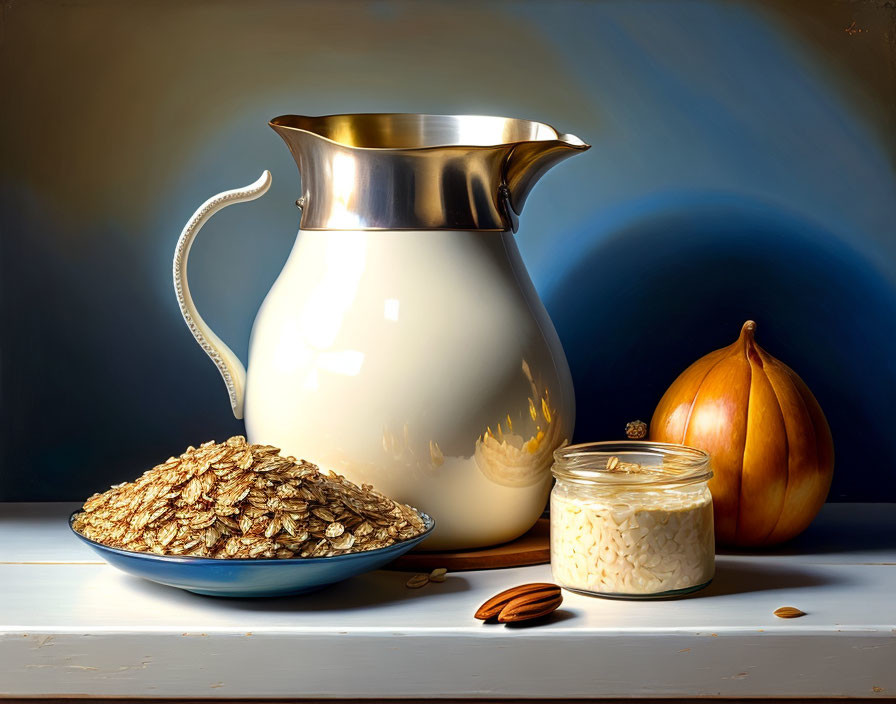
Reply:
x=632, y=541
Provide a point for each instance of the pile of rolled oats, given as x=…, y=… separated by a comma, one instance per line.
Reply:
x=235, y=500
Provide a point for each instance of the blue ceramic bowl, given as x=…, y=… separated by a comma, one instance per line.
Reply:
x=249, y=577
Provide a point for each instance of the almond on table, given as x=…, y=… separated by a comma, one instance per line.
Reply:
x=527, y=601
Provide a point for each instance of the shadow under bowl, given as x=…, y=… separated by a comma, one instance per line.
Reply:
x=251, y=577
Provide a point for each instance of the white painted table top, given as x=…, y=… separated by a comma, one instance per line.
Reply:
x=71, y=625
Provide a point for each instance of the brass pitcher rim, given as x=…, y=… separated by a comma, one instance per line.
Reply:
x=413, y=171
x=568, y=140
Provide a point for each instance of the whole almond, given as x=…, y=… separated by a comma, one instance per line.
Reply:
x=536, y=592
x=525, y=608
x=789, y=612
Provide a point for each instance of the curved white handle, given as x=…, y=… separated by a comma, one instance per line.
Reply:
x=232, y=370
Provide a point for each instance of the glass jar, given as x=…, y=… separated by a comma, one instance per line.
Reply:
x=632, y=519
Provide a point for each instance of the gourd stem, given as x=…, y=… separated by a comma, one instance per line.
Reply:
x=746, y=336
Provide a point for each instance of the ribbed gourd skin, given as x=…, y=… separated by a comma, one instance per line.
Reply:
x=770, y=444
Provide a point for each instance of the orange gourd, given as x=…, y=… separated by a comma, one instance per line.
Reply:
x=770, y=444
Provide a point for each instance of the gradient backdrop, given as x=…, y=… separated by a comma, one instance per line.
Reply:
x=742, y=167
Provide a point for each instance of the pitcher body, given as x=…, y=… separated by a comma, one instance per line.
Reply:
x=421, y=363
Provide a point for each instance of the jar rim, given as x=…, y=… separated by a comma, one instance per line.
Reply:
x=590, y=463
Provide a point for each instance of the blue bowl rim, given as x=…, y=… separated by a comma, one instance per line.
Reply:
x=428, y=522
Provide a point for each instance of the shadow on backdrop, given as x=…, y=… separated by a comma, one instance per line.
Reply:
x=678, y=281
x=102, y=383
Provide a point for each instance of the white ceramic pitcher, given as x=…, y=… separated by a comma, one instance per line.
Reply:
x=403, y=344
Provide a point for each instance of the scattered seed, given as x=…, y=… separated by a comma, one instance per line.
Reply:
x=417, y=581
x=636, y=430
x=789, y=612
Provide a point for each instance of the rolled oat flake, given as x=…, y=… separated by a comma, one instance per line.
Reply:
x=234, y=500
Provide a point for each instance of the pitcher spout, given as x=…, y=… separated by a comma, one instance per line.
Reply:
x=529, y=161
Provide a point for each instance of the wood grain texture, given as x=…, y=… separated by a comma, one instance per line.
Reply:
x=533, y=548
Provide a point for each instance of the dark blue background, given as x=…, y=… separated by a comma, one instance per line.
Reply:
x=742, y=167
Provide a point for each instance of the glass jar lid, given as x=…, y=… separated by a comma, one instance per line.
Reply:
x=631, y=463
